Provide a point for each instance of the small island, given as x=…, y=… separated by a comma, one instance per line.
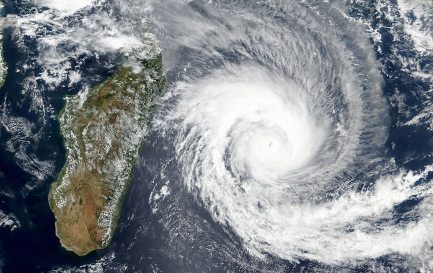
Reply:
x=103, y=129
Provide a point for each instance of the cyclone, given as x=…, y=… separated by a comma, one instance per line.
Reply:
x=279, y=125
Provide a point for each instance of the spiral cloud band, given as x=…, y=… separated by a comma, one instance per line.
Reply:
x=279, y=126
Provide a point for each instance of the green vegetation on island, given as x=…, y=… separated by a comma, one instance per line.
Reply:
x=103, y=129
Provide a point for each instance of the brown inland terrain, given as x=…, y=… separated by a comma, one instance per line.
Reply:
x=103, y=130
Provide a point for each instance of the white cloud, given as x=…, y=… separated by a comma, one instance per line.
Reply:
x=66, y=6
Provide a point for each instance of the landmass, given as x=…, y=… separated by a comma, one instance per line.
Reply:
x=3, y=67
x=103, y=130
